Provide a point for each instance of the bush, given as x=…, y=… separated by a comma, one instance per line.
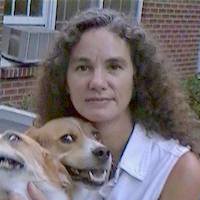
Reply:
x=192, y=88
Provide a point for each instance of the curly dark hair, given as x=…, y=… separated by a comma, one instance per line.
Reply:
x=157, y=102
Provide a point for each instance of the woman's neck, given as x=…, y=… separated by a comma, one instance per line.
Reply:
x=115, y=133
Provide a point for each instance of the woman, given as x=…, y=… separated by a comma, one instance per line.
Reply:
x=108, y=72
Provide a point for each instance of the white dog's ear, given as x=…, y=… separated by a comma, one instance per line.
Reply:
x=65, y=178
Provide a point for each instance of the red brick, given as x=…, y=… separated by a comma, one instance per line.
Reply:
x=5, y=99
x=10, y=91
x=6, y=85
x=18, y=84
x=16, y=98
x=22, y=90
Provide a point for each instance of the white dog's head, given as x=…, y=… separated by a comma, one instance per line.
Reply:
x=23, y=160
x=72, y=141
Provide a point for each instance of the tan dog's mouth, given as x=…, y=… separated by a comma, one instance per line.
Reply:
x=94, y=177
x=8, y=163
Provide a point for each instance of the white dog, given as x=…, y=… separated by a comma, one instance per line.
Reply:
x=23, y=160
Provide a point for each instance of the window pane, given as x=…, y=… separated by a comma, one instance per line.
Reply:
x=106, y=3
x=95, y=3
x=36, y=7
x=8, y=7
x=71, y=9
x=84, y=4
x=21, y=7
x=60, y=12
x=113, y=4
x=126, y=6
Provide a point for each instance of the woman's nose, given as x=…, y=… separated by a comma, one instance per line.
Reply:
x=98, y=80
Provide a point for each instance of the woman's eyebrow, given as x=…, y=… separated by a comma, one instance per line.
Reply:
x=117, y=59
x=80, y=59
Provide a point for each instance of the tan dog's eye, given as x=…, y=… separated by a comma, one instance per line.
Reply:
x=68, y=138
x=96, y=135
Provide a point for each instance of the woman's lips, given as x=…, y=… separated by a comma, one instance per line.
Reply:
x=102, y=99
x=98, y=102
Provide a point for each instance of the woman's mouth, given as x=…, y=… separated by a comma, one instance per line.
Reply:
x=98, y=102
x=98, y=99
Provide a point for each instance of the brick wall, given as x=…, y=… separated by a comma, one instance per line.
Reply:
x=1, y=17
x=17, y=86
x=176, y=25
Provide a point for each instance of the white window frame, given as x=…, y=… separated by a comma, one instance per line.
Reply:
x=139, y=10
x=47, y=19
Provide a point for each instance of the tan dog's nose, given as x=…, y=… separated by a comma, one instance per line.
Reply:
x=101, y=153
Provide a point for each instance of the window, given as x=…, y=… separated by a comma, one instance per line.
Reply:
x=28, y=32
x=68, y=8
x=131, y=8
x=28, y=12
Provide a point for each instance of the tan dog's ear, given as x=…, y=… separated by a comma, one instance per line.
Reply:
x=32, y=132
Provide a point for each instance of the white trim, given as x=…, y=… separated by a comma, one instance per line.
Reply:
x=139, y=11
x=51, y=16
x=14, y=20
x=28, y=7
x=13, y=7
x=101, y=3
x=15, y=115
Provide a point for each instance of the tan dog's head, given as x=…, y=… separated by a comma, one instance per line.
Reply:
x=23, y=160
x=72, y=141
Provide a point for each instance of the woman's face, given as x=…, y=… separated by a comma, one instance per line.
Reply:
x=100, y=76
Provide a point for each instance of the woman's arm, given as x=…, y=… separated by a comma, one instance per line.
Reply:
x=35, y=194
x=183, y=182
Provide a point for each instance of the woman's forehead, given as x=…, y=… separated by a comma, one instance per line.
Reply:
x=100, y=42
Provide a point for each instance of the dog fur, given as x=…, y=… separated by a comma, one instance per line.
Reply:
x=23, y=160
x=72, y=141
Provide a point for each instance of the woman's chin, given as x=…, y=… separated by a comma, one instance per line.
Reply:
x=99, y=117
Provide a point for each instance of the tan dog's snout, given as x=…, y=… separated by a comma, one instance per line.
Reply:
x=102, y=154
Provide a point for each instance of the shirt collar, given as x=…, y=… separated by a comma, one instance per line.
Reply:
x=136, y=157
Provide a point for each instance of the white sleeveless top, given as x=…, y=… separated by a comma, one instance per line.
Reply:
x=144, y=167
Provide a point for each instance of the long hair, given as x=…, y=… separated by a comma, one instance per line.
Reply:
x=157, y=101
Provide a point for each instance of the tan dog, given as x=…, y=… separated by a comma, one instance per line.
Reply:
x=23, y=160
x=72, y=141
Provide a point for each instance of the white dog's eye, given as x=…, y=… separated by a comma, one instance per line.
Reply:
x=68, y=138
x=14, y=138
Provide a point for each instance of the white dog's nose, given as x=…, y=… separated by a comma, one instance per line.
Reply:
x=101, y=153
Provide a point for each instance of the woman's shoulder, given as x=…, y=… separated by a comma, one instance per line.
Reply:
x=184, y=180
x=158, y=143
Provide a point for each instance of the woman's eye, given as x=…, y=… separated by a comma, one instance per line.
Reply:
x=82, y=68
x=67, y=138
x=113, y=67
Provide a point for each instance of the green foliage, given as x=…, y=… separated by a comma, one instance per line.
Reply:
x=27, y=103
x=192, y=88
